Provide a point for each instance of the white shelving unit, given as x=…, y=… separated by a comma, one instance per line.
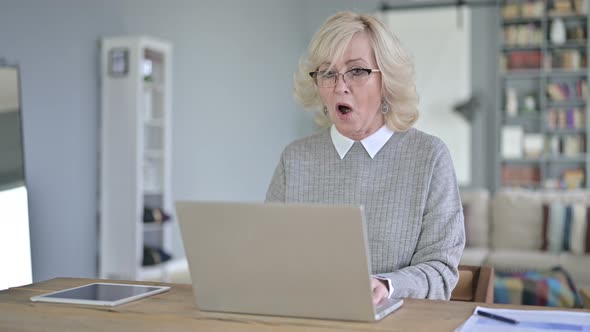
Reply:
x=135, y=158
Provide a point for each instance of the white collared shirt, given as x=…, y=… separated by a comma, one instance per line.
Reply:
x=372, y=144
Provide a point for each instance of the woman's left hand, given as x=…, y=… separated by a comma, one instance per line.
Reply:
x=380, y=291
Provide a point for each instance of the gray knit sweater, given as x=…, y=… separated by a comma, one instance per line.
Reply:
x=411, y=199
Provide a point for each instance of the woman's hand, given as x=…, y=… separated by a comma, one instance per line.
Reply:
x=380, y=291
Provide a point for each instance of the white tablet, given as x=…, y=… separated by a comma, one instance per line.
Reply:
x=103, y=294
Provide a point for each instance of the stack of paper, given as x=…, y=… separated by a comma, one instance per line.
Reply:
x=527, y=320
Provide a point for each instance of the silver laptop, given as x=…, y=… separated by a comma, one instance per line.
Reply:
x=297, y=260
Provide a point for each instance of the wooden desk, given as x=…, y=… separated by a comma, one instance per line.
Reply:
x=175, y=310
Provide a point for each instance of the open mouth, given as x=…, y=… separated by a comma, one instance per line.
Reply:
x=344, y=109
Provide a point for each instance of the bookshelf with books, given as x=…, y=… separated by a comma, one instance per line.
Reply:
x=542, y=95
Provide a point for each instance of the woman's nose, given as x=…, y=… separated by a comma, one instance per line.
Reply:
x=341, y=86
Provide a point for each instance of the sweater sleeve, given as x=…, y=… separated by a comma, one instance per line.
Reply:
x=276, y=189
x=433, y=271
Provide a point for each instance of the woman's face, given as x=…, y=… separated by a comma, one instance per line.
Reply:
x=354, y=109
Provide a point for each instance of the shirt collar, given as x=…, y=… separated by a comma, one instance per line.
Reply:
x=372, y=144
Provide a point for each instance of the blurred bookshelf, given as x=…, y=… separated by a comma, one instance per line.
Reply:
x=542, y=94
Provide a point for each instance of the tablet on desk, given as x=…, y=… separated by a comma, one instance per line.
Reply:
x=103, y=294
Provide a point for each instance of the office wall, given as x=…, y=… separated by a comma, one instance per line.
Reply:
x=234, y=113
x=316, y=12
x=55, y=43
x=232, y=82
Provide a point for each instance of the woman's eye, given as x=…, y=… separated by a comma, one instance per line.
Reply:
x=329, y=74
x=358, y=71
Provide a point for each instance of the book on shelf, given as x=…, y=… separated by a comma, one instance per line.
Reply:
x=529, y=9
x=551, y=121
x=565, y=118
x=569, y=179
x=523, y=35
x=511, y=11
x=532, y=9
x=503, y=63
x=512, y=137
x=553, y=146
x=566, y=145
x=574, y=119
x=566, y=59
x=562, y=6
x=573, y=145
x=516, y=60
x=573, y=178
x=553, y=183
x=578, y=118
x=582, y=89
x=520, y=175
x=567, y=90
x=533, y=145
x=568, y=7
x=557, y=91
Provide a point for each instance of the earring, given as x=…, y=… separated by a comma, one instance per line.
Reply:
x=384, y=108
x=325, y=110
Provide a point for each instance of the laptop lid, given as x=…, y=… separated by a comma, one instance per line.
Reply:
x=297, y=260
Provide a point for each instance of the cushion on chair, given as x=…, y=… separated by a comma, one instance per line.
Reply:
x=552, y=288
x=516, y=220
x=517, y=215
x=474, y=256
x=566, y=227
x=476, y=213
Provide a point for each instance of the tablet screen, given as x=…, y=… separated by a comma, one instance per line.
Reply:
x=101, y=293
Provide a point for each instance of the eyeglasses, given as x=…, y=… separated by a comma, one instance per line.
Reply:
x=354, y=77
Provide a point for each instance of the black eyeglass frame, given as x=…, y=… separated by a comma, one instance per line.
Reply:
x=369, y=71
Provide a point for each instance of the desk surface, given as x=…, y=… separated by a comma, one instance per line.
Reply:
x=175, y=310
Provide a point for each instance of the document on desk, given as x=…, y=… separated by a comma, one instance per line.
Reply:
x=525, y=320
